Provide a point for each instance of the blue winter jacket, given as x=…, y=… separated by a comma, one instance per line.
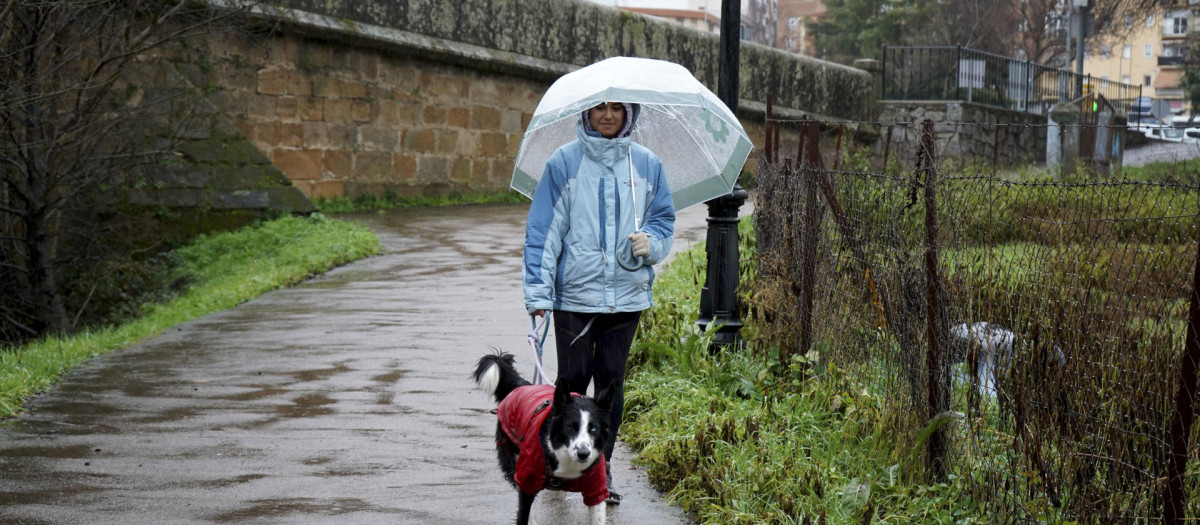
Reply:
x=580, y=221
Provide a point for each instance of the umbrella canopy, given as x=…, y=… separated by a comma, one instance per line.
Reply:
x=700, y=142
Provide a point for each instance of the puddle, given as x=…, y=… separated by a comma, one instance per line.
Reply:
x=310, y=405
x=319, y=374
x=280, y=508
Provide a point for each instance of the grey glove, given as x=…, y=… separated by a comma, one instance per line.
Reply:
x=640, y=243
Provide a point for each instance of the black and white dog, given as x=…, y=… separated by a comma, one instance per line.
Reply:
x=546, y=437
x=992, y=347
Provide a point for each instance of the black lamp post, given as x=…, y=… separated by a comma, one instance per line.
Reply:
x=718, y=299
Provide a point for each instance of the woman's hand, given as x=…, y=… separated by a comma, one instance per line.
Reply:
x=641, y=244
x=538, y=313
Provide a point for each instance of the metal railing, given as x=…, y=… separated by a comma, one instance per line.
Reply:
x=959, y=73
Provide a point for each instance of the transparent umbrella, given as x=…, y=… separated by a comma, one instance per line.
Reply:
x=700, y=142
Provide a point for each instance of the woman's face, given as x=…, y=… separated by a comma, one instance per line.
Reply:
x=607, y=118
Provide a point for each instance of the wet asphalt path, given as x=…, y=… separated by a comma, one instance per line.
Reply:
x=344, y=399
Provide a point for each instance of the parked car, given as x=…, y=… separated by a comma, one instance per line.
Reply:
x=1166, y=133
x=1191, y=135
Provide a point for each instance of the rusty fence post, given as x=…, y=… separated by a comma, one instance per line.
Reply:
x=810, y=162
x=768, y=152
x=1174, y=497
x=933, y=389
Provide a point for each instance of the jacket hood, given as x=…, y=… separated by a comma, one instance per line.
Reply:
x=627, y=129
x=606, y=151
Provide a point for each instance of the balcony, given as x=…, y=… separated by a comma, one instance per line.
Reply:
x=1171, y=61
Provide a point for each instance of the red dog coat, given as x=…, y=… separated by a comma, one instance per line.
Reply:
x=521, y=415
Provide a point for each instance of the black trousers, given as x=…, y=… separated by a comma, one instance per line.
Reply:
x=599, y=355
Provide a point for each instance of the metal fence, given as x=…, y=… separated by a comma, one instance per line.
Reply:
x=1052, y=324
x=959, y=73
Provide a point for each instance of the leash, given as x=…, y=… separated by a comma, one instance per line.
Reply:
x=535, y=342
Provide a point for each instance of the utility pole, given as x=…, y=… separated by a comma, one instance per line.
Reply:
x=1081, y=8
x=718, y=299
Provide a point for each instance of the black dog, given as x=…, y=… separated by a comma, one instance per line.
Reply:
x=546, y=437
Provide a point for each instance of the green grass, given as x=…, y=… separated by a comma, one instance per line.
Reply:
x=391, y=200
x=737, y=437
x=225, y=270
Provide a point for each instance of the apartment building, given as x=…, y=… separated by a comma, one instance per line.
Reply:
x=794, y=16
x=1152, y=54
x=758, y=16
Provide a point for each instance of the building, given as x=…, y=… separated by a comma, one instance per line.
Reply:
x=1152, y=55
x=758, y=16
x=794, y=17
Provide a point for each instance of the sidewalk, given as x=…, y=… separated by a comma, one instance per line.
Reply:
x=344, y=399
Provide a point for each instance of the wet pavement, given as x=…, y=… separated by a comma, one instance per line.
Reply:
x=344, y=399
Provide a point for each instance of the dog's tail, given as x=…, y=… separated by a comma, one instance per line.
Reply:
x=496, y=375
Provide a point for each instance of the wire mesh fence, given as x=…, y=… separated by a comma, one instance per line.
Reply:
x=1039, y=337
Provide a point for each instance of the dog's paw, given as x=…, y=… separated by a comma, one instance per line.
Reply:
x=597, y=514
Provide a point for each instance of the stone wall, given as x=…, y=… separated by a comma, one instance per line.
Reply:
x=970, y=132
x=424, y=97
x=348, y=120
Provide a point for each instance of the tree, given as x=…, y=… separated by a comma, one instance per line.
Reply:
x=73, y=128
x=853, y=29
x=1191, y=75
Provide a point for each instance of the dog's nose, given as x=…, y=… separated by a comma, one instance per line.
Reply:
x=583, y=451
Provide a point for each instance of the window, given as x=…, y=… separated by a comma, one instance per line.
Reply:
x=1128, y=22
x=1176, y=23
x=1125, y=79
x=793, y=23
x=1105, y=52
x=1149, y=50
x=1145, y=80
x=1149, y=20
x=1127, y=51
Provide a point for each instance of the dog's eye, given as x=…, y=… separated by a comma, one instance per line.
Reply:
x=592, y=429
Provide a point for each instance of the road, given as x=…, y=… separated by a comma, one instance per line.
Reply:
x=344, y=399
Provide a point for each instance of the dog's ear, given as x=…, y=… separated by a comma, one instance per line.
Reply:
x=606, y=400
x=562, y=393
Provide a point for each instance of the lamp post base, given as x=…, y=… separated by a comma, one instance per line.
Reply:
x=718, y=299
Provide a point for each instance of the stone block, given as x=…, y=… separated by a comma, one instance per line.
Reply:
x=378, y=137
x=291, y=135
x=325, y=87
x=287, y=108
x=289, y=200
x=460, y=170
x=493, y=144
x=243, y=152
x=510, y=121
x=312, y=109
x=202, y=151
x=272, y=82
x=420, y=140
x=262, y=108
x=360, y=111
x=433, y=115
x=337, y=110
x=485, y=118
x=299, y=85
x=352, y=89
x=338, y=163
x=316, y=135
x=373, y=166
x=447, y=141
x=486, y=93
x=238, y=200
x=326, y=189
x=298, y=164
x=246, y=128
x=514, y=144
x=342, y=135
x=404, y=167
x=458, y=117
x=432, y=169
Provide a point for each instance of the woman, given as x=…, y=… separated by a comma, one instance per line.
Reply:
x=600, y=218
